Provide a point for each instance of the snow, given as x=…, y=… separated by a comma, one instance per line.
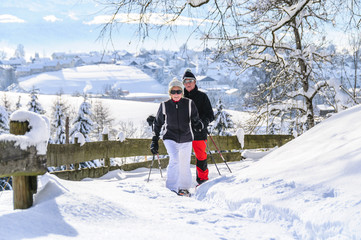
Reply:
x=38, y=135
x=105, y=131
x=121, y=137
x=240, y=136
x=256, y=154
x=309, y=188
x=80, y=137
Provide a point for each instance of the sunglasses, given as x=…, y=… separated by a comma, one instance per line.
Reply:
x=188, y=81
x=175, y=91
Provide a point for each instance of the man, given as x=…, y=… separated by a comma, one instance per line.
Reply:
x=206, y=114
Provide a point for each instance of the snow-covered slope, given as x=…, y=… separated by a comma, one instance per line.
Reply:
x=306, y=189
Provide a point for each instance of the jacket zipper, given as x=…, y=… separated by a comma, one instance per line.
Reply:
x=176, y=107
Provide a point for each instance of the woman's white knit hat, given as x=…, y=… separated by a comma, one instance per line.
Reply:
x=175, y=83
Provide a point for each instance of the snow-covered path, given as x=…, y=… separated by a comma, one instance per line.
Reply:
x=122, y=205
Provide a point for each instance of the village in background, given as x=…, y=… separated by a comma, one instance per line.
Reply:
x=216, y=74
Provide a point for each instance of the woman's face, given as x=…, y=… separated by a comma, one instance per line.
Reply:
x=176, y=93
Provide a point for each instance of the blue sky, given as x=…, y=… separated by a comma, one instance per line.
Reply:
x=70, y=26
x=51, y=26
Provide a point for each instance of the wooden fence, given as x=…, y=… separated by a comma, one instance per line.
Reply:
x=66, y=154
x=24, y=165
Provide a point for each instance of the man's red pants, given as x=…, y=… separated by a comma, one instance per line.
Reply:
x=199, y=148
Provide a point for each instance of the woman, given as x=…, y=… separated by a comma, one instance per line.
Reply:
x=176, y=119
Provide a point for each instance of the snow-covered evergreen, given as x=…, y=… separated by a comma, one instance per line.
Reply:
x=83, y=123
x=34, y=105
x=222, y=122
x=5, y=183
x=59, y=125
x=4, y=120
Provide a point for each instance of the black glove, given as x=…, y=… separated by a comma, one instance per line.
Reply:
x=198, y=126
x=205, y=122
x=154, y=145
x=150, y=120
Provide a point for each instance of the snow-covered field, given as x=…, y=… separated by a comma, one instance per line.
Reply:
x=122, y=111
x=309, y=188
x=93, y=79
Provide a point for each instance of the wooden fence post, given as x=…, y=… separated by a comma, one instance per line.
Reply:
x=106, y=160
x=23, y=186
x=67, y=137
x=76, y=165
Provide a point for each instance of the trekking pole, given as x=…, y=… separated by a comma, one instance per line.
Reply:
x=160, y=169
x=150, y=169
x=220, y=153
x=210, y=154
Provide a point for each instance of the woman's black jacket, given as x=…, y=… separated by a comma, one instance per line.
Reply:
x=174, y=120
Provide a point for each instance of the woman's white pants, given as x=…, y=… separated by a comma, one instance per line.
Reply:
x=179, y=174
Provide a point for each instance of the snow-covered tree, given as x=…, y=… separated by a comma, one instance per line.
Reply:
x=4, y=120
x=284, y=48
x=222, y=121
x=18, y=104
x=6, y=103
x=6, y=183
x=60, y=110
x=19, y=52
x=83, y=123
x=59, y=125
x=34, y=105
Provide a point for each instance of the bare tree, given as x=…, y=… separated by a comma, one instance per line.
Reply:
x=285, y=37
x=101, y=116
x=128, y=128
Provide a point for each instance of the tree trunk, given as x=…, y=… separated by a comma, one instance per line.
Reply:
x=304, y=79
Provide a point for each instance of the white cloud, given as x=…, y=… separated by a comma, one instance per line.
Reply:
x=52, y=18
x=73, y=16
x=7, y=18
x=151, y=18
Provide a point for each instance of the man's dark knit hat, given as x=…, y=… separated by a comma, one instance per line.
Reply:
x=189, y=75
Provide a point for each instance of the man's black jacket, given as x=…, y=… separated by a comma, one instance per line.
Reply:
x=205, y=110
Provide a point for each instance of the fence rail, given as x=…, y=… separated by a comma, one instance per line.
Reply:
x=64, y=154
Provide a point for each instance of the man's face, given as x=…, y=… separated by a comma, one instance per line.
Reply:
x=189, y=84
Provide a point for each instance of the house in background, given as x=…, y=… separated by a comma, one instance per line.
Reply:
x=323, y=109
x=7, y=76
x=206, y=82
